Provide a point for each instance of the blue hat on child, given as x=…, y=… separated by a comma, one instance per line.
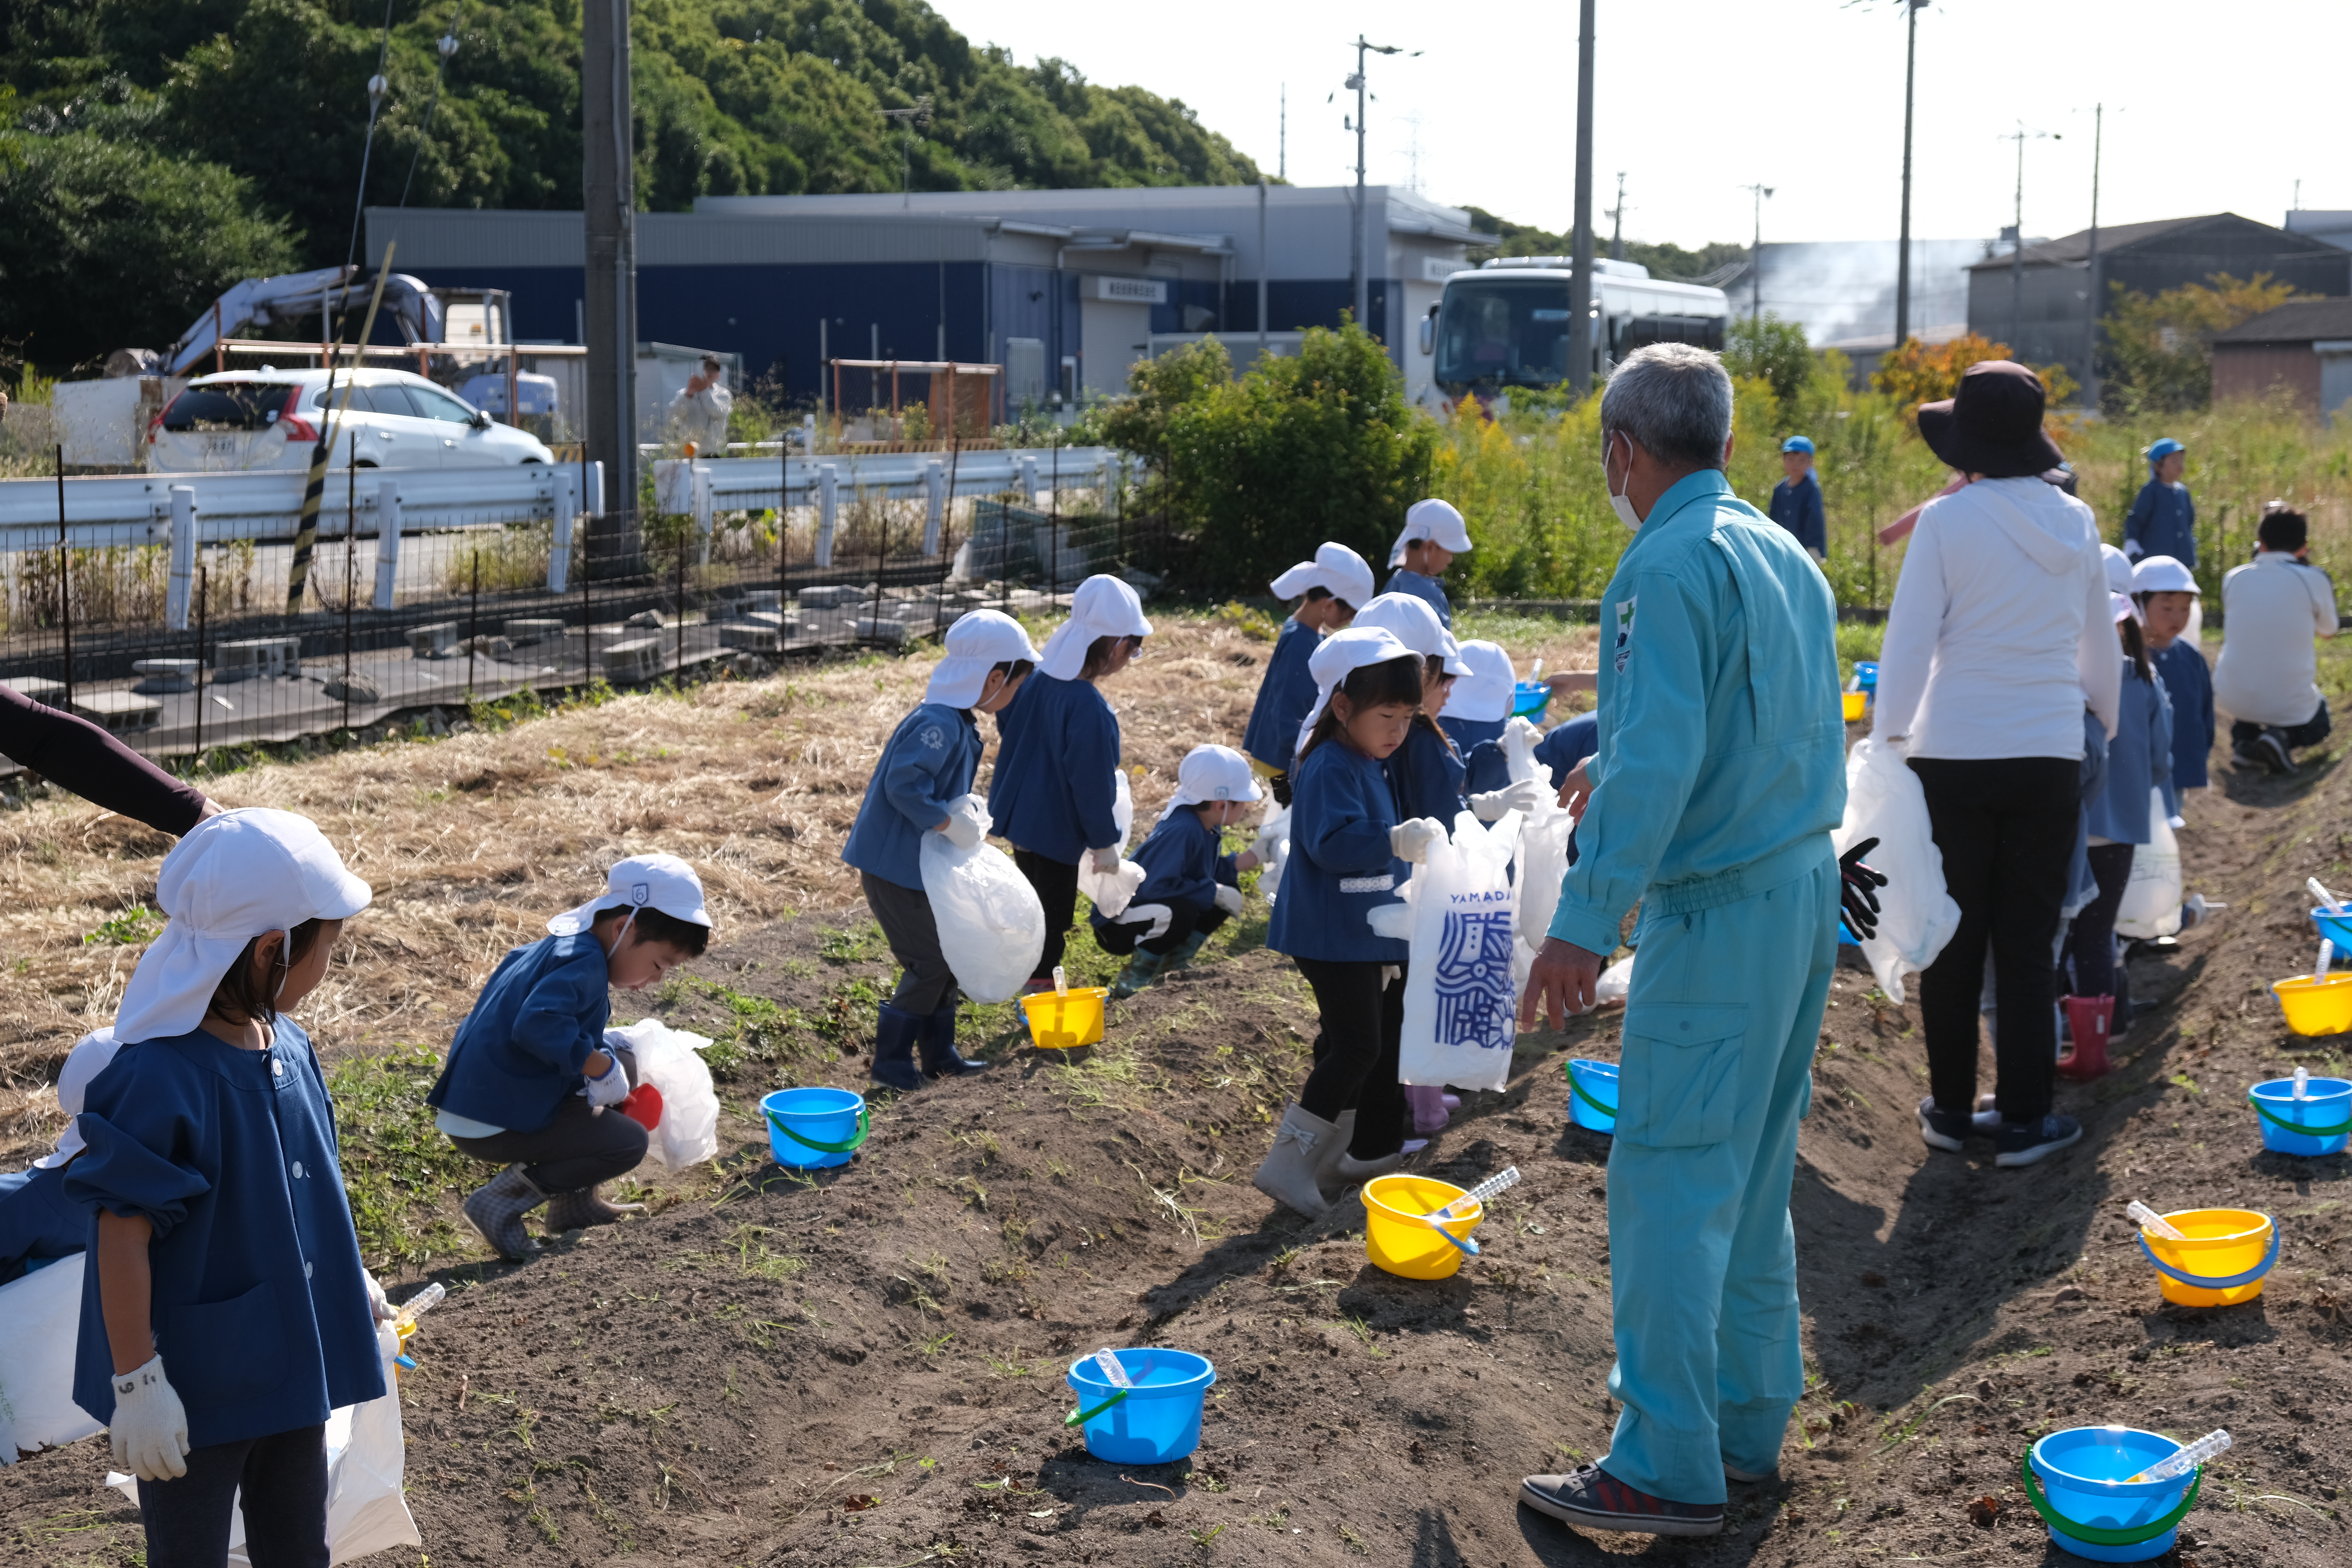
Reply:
x=1799, y=444
x=2162, y=450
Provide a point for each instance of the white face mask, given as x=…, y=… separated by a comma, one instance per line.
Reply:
x=1618, y=501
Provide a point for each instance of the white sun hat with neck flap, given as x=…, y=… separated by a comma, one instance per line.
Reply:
x=1209, y=774
x=661, y=883
x=1439, y=520
x=975, y=644
x=1416, y=625
x=234, y=878
x=1103, y=606
x=1340, y=655
x=1483, y=696
x=1336, y=569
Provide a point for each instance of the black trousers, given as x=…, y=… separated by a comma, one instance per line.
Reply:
x=1057, y=889
x=926, y=983
x=1185, y=916
x=1355, y=1054
x=2006, y=828
x=2310, y=733
x=579, y=1147
x=285, y=1505
x=2091, y=942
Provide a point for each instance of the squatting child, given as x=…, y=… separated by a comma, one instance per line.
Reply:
x=1190, y=885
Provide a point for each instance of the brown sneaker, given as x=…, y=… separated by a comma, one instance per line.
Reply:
x=1590, y=1497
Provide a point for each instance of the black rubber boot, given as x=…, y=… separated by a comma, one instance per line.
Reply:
x=937, y=1043
x=894, y=1048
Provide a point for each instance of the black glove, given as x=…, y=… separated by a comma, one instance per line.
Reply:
x=1856, y=885
x=1281, y=791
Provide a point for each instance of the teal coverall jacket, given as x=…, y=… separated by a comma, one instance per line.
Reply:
x=1720, y=777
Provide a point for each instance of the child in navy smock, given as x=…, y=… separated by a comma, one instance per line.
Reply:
x=1433, y=535
x=1426, y=773
x=923, y=784
x=38, y=1223
x=529, y=1084
x=1478, y=705
x=2139, y=760
x=2166, y=594
x=1349, y=850
x=226, y=1312
x=1190, y=885
x=1053, y=794
x=1329, y=590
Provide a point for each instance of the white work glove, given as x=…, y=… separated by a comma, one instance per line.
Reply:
x=1229, y=899
x=1394, y=922
x=1106, y=862
x=1264, y=845
x=967, y=822
x=378, y=1303
x=2134, y=549
x=150, y=1425
x=1410, y=841
x=1157, y=914
x=1523, y=797
x=612, y=1088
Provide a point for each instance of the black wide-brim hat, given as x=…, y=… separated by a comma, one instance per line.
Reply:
x=1993, y=426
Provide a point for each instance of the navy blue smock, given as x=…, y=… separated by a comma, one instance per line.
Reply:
x=1798, y=508
x=1469, y=735
x=522, y=1049
x=260, y=1303
x=38, y=1220
x=1285, y=698
x=2190, y=685
x=1182, y=861
x=1052, y=794
x=1487, y=770
x=1425, y=777
x=2163, y=520
x=1340, y=863
x=929, y=760
x=2139, y=759
x=1428, y=590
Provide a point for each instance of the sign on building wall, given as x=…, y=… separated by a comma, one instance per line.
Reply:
x=1128, y=290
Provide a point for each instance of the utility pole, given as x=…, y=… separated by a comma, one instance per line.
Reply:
x=917, y=113
x=2017, y=254
x=1617, y=222
x=1756, y=255
x=1911, y=9
x=2098, y=297
x=608, y=197
x=1579, y=281
x=1282, y=138
x=1359, y=275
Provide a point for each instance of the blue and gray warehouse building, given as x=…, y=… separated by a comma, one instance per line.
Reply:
x=1064, y=289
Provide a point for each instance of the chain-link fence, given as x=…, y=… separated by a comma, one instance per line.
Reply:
x=417, y=622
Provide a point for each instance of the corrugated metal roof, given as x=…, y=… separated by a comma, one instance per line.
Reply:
x=2296, y=321
x=447, y=237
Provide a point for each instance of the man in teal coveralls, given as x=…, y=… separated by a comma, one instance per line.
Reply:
x=1720, y=775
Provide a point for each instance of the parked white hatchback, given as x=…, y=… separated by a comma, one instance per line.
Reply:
x=244, y=419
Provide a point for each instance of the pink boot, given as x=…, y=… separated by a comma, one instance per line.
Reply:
x=1429, y=1110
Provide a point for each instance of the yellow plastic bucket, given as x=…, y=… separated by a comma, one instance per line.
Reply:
x=1063, y=1021
x=2315, y=1006
x=2220, y=1260
x=1394, y=1236
x=1854, y=703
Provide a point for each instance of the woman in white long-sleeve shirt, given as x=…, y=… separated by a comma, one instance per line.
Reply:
x=1998, y=636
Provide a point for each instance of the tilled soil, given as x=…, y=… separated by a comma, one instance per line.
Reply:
x=864, y=1366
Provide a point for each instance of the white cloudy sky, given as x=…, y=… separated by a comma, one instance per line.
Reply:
x=2210, y=107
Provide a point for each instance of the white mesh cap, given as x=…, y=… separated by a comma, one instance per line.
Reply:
x=2163, y=575
x=661, y=883
x=1210, y=774
x=1340, y=655
x=1434, y=520
x=1483, y=696
x=1336, y=569
x=1103, y=606
x=976, y=644
x=1416, y=625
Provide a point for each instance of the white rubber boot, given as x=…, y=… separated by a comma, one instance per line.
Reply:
x=1287, y=1176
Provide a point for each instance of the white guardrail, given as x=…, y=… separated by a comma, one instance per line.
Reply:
x=120, y=510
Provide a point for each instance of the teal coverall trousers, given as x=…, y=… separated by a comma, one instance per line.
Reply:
x=1720, y=1029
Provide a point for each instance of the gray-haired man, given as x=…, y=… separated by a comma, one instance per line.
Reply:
x=1720, y=777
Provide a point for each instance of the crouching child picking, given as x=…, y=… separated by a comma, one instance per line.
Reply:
x=923, y=784
x=1190, y=885
x=223, y=1248
x=529, y=1083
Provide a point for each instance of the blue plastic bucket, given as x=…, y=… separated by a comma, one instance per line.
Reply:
x=811, y=1129
x=2335, y=923
x=1592, y=1094
x=2080, y=1474
x=1160, y=1420
x=1865, y=676
x=2327, y=1104
x=1529, y=699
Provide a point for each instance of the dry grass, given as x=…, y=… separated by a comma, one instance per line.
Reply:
x=472, y=841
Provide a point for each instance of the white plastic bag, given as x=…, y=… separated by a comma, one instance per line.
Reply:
x=1917, y=915
x=1275, y=830
x=992, y=928
x=1543, y=840
x=40, y=1319
x=669, y=1059
x=1112, y=892
x=1460, y=1004
x=2151, y=905
x=1616, y=981
x=365, y=1510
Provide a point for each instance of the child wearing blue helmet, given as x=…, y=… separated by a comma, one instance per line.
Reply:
x=1796, y=499
x=2163, y=516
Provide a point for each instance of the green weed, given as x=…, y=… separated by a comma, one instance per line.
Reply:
x=133, y=927
x=859, y=943
x=398, y=1166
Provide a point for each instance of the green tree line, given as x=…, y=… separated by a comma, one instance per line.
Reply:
x=155, y=150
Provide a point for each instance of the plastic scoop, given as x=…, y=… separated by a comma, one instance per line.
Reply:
x=416, y=1306
x=1460, y=1208
x=2186, y=1460
x=1107, y=1364
x=2152, y=1222
x=2327, y=957
x=2303, y=1083
x=2327, y=899
x=1061, y=981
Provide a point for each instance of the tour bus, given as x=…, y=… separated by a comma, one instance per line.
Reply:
x=1504, y=324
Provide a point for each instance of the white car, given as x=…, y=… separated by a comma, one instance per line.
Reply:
x=244, y=419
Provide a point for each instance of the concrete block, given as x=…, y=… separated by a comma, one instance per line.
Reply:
x=439, y=640
x=756, y=600
x=248, y=658
x=876, y=629
x=40, y=688
x=835, y=596
x=523, y=633
x=163, y=675
x=750, y=637
x=119, y=710
x=640, y=658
